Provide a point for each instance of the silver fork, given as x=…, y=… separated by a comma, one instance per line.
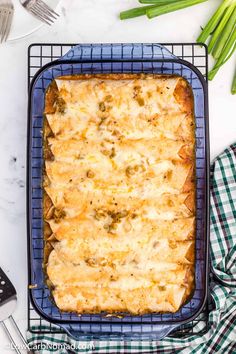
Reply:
x=39, y=9
x=6, y=15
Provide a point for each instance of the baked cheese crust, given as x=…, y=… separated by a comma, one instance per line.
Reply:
x=119, y=193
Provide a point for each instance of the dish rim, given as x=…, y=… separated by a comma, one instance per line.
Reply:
x=207, y=171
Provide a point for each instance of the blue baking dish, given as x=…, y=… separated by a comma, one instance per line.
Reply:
x=115, y=58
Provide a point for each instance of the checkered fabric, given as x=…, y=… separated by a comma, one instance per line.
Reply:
x=221, y=335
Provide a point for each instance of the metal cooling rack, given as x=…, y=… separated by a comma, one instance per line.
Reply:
x=41, y=54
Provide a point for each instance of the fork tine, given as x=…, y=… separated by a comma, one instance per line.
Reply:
x=4, y=24
x=46, y=12
x=44, y=15
x=48, y=8
x=38, y=15
x=1, y=23
x=6, y=12
x=40, y=10
x=10, y=17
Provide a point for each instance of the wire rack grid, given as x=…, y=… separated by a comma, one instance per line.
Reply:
x=42, y=54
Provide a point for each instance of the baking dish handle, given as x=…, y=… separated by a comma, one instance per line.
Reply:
x=91, y=331
x=119, y=52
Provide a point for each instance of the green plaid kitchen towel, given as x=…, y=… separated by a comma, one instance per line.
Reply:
x=221, y=335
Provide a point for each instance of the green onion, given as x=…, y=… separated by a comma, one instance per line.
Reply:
x=224, y=35
x=157, y=2
x=157, y=8
x=226, y=54
x=233, y=88
x=137, y=11
x=220, y=27
x=163, y=9
x=211, y=25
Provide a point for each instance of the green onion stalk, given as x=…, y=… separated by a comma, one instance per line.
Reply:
x=157, y=2
x=221, y=33
x=137, y=11
x=178, y=5
x=225, y=34
x=225, y=55
x=157, y=8
x=233, y=88
x=213, y=22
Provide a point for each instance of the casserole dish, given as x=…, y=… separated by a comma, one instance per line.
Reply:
x=135, y=58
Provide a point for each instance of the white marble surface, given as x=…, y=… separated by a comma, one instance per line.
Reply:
x=83, y=21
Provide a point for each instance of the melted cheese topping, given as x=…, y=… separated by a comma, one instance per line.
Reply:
x=120, y=187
